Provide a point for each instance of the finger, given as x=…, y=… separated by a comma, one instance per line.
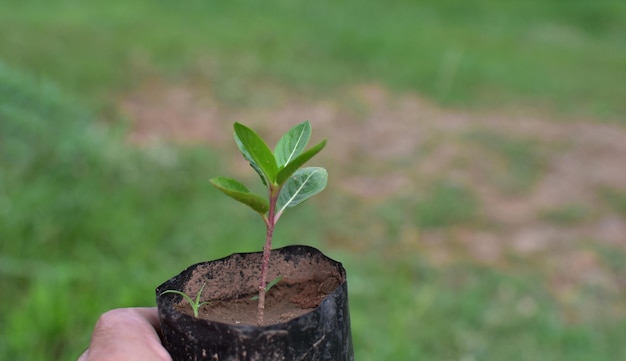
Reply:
x=150, y=314
x=127, y=334
x=83, y=356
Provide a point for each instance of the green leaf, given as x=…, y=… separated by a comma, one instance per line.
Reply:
x=268, y=287
x=195, y=305
x=191, y=302
x=248, y=157
x=296, y=163
x=292, y=143
x=257, y=150
x=302, y=185
x=238, y=191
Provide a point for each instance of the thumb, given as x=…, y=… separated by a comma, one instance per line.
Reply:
x=126, y=334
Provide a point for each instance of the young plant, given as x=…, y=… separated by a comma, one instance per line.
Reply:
x=195, y=304
x=280, y=171
x=269, y=286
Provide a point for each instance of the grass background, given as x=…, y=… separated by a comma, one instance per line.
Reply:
x=89, y=222
x=484, y=52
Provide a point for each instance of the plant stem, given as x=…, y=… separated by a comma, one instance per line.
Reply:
x=270, y=222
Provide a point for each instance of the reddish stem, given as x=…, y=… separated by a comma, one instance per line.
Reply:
x=270, y=222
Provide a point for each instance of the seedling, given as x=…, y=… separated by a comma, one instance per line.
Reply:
x=287, y=183
x=269, y=286
x=195, y=304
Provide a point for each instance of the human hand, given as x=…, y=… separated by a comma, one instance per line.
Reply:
x=126, y=334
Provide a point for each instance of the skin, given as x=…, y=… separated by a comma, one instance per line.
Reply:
x=126, y=334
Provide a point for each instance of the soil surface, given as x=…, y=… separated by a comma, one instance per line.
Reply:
x=282, y=303
x=229, y=284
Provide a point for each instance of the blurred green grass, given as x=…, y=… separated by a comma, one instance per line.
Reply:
x=79, y=207
x=89, y=223
x=518, y=163
x=564, y=57
x=445, y=205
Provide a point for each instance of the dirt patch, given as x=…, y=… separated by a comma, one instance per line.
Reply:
x=176, y=113
x=386, y=147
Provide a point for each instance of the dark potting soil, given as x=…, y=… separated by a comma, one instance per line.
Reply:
x=283, y=302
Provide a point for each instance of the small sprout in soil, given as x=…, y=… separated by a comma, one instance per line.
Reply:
x=271, y=284
x=195, y=305
x=280, y=171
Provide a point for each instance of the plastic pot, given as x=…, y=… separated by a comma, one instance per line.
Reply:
x=319, y=333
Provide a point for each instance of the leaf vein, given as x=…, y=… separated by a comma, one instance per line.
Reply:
x=293, y=150
x=297, y=192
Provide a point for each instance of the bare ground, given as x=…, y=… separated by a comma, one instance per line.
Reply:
x=386, y=147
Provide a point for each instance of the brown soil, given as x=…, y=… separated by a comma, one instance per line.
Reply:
x=230, y=283
x=282, y=303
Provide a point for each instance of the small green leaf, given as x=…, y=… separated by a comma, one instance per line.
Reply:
x=296, y=163
x=258, y=151
x=238, y=191
x=248, y=157
x=191, y=302
x=292, y=143
x=302, y=185
x=268, y=287
x=195, y=305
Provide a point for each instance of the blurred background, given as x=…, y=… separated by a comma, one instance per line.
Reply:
x=477, y=150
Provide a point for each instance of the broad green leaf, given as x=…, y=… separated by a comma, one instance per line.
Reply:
x=238, y=191
x=257, y=150
x=302, y=185
x=292, y=143
x=247, y=156
x=296, y=163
